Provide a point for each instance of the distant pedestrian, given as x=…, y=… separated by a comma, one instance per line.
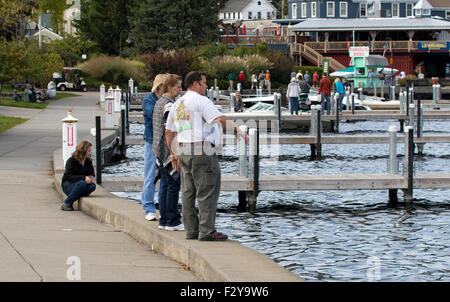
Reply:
x=293, y=75
x=299, y=73
x=261, y=78
x=293, y=93
x=307, y=77
x=238, y=102
x=325, y=91
x=254, y=81
x=371, y=77
x=267, y=80
x=303, y=98
x=230, y=80
x=78, y=178
x=315, y=79
x=381, y=76
x=148, y=189
x=242, y=79
x=340, y=90
x=193, y=122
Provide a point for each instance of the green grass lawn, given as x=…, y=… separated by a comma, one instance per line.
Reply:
x=10, y=103
x=7, y=122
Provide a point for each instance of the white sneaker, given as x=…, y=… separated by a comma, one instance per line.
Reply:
x=161, y=227
x=179, y=227
x=150, y=217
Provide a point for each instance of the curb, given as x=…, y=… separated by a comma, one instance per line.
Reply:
x=226, y=261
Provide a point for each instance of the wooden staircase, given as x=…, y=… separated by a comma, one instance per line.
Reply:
x=315, y=57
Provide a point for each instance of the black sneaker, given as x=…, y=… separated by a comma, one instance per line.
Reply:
x=215, y=237
x=66, y=207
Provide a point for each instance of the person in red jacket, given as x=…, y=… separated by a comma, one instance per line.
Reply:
x=315, y=79
x=242, y=79
x=325, y=91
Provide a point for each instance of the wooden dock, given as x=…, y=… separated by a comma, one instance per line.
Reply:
x=301, y=182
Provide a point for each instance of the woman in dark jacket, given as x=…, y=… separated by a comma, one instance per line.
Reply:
x=78, y=179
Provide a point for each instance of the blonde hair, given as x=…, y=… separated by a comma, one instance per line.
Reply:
x=81, y=153
x=158, y=83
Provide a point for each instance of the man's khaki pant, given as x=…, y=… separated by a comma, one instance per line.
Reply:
x=200, y=179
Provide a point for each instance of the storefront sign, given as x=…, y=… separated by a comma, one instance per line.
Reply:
x=430, y=46
x=360, y=51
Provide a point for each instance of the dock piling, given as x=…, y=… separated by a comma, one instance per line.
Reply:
x=243, y=168
x=253, y=168
x=353, y=103
x=318, y=134
x=123, y=146
x=336, y=127
x=411, y=115
x=409, y=163
x=393, y=162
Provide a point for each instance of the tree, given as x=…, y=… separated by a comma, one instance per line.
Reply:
x=174, y=24
x=103, y=21
x=12, y=12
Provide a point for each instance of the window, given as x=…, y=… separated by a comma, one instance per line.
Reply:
x=418, y=11
x=330, y=9
x=426, y=11
x=343, y=9
x=313, y=9
x=259, y=2
x=259, y=15
x=304, y=10
x=234, y=15
x=249, y=15
x=395, y=10
x=362, y=9
x=409, y=9
x=294, y=10
x=268, y=15
x=447, y=14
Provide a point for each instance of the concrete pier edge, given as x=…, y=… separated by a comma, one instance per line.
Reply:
x=211, y=261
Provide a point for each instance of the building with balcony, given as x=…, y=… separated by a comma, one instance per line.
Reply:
x=248, y=10
x=414, y=33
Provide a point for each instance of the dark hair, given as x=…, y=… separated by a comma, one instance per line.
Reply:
x=193, y=76
x=325, y=74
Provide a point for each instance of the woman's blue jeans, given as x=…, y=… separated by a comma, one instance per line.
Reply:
x=76, y=190
x=294, y=104
x=168, y=199
x=148, y=190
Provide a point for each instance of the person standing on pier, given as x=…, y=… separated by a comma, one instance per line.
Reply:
x=325, y=92
x=261, y=78
x=340, y=90
x=242, y=79
x=231, y=79
x=148, y=189
x=315, y=79
x=169, y=189
x=191, y=137
x=293, y=92
x=303, y=98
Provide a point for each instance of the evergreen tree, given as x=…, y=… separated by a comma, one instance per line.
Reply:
x=103, y=21
x=174, y=24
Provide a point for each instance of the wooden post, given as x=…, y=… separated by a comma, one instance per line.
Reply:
x=312, y=129
x=333, y=107
x=123, y=146
x=409, y=162
x=374, y=89
x=279, y=110
x=382, y=88
x=419, y=126
x=393, y=162
x=98, y=149
x=411, y=115
x=353, y=103
x=253, y=168
x=319, y=135
x=243, y=168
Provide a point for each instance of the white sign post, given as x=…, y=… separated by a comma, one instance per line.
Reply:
x=102, y=93
x=109, y=112
x=117, y=92
x=69, y=133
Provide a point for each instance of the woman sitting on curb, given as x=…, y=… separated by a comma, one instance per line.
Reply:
x=78, y=179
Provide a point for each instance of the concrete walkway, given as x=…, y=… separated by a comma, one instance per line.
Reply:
x=37, y=239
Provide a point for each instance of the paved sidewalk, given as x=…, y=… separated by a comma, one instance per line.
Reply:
x=36, y=237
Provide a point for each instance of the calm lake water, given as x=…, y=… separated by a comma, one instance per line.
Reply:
x=338, y=235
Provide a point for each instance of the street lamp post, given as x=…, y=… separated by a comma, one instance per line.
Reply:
x=120, y=41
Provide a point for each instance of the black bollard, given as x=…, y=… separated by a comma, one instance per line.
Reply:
x=123, y=147
x=98, y=148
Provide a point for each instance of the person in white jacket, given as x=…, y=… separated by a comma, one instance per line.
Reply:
x=293, y=92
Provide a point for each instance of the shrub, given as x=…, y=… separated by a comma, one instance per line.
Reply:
x=403, y=82
x=114, y=70
x=167, y=61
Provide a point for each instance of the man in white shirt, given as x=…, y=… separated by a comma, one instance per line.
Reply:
x=192, y=133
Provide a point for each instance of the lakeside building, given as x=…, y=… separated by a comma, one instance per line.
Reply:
x=415, y=34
